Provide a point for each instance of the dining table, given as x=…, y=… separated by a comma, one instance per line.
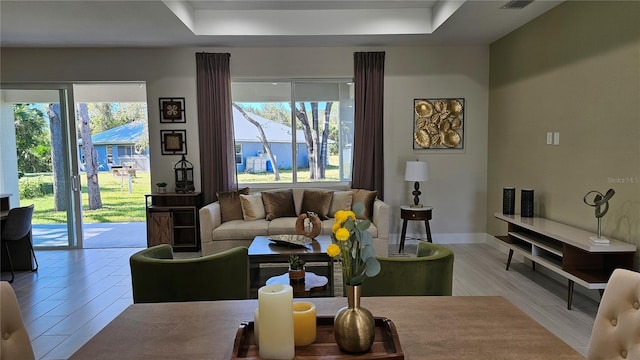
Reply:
x=428, y=327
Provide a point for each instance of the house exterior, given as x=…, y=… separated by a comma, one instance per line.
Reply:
x=250, y=155
x=117, y=147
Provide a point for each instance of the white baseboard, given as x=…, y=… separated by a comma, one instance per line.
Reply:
x=455, y=238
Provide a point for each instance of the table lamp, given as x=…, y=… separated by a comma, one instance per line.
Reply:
x=416, y=171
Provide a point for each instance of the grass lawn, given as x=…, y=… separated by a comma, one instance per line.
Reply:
x=118, y=205
x=332, y=173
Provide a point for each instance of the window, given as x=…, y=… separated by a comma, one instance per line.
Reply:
x=293, y=131
x=238, y=154
x=126, y=150
x=109, y=154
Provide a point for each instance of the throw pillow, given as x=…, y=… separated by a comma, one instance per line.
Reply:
x=252, y=206
x=341, y=201
x=318, y=202
x=230, y=207
x=366, y=198
x=278, y=204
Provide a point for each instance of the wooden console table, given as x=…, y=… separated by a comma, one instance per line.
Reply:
x=565, y=250
x=173, y=219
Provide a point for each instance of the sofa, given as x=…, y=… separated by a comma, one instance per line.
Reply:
x=239, y=216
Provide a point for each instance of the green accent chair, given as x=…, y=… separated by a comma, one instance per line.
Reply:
x=157, y=277
x=429, y=273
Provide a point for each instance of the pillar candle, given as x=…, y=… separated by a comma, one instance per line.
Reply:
x=304, y=323
x=275, y=307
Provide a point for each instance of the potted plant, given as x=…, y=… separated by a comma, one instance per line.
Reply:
x=296, y=269
x=161, y=187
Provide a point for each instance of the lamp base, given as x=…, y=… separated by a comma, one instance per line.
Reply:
x=416, y=195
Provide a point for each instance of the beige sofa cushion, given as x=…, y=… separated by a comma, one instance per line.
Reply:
x=283, y=226
x=327, y=226
x=252, y=206
x=240, y=229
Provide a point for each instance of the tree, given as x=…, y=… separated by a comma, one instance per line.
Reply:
x=57, y=158
x=105, y=116
x=90, y=159
x=316, y=142
x=263, y=140
x=32, y=142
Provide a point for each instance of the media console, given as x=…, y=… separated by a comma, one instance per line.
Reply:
x=565, y=250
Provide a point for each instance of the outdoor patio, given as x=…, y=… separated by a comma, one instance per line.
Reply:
x=97, y=235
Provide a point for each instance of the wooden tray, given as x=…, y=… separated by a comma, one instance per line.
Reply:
x=386, y=344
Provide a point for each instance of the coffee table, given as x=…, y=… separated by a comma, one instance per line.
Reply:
x=264, y=251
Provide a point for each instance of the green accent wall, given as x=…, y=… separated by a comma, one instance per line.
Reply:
x=574, y=70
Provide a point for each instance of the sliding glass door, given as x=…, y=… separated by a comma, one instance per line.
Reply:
x=39, y=167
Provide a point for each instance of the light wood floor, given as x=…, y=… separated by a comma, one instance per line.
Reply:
x=76, y=293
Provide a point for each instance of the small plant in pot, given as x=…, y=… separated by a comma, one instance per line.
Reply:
x=296, y=269
x=161, y=187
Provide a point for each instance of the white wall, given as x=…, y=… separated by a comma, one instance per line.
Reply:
x=457, y=187
x=8, y=156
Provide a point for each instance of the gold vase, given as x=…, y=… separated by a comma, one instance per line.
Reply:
x=353, y=325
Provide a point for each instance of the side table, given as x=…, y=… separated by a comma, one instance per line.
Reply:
x=416, y=214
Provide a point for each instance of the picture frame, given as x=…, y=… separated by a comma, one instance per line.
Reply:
x=438, y=123
x=174, y=142
x=172, y=110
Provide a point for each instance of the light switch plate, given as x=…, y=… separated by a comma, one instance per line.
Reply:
x=556, y=138
x=549, y=138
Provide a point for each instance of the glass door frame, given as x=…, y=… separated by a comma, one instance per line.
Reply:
x=71, y=166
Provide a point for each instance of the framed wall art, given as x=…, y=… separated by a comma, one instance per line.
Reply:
x=174, y=142
x=172, y=110
x=438, y=123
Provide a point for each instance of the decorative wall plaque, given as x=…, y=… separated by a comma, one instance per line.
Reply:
x=438, y=123
x=174, y=142
x=172, y=110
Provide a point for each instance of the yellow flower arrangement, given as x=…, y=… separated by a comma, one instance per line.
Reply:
x=353, y=246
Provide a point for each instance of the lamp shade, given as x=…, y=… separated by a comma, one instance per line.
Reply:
x=416, y=171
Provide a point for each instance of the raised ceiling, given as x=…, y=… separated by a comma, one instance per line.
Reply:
x=233, y=23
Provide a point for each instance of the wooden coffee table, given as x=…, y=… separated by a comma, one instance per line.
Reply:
x=264, y=251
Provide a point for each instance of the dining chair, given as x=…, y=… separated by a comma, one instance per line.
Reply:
x=616, y=329
x=15, y=338
x=430, y=272
x=17, y=227
x=157, y=277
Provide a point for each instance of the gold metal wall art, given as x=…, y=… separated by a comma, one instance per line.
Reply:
x=438, y=123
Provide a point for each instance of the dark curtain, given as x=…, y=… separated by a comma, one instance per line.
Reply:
x=368, y=161
x=215, y=125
